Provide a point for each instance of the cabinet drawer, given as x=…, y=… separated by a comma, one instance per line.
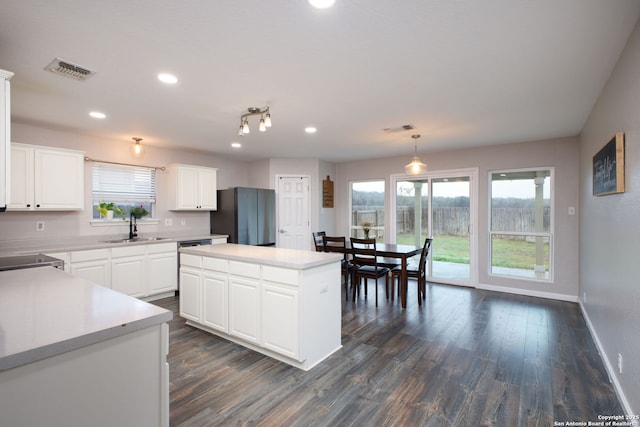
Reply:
x=124, y=251
x=191, y=260
x=215, y=264
x=162, y=247
x=244, y=269
x=280, y=275
x=90, y=255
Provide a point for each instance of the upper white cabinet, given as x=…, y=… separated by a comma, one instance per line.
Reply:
x=191, y=188
x=46, y=179
x=5, y=134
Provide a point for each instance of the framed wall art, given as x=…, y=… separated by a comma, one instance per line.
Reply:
x=608, y=167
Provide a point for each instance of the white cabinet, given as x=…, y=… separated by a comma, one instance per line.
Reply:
x=46, y=179
x=128, y=270
x=190, y=287
x=162, y=267
x=280, y=320
x=137, y=270
x=290, y=314
x=191, y=188
x=92, y=264
x=215, y=294
x=5, y=135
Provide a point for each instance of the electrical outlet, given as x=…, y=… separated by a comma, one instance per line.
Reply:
x=168, y=221
x=39, y=225
x=183, y=221
x=571, y=210
x=619, y=363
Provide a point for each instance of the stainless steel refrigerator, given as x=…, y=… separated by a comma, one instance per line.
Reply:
x=247, y=215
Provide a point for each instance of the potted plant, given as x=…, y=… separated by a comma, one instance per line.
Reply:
x=138, y=212
x=366, y=227
x=107, y=209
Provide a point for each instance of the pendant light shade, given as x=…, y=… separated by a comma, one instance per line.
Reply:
x=415, y=167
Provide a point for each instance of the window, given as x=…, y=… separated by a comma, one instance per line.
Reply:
x=125, y=187
x=521, y=223
x=367, y=209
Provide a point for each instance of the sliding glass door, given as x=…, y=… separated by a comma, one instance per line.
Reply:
x=440, y=205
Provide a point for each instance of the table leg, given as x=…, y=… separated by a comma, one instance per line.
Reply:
x=403, y=282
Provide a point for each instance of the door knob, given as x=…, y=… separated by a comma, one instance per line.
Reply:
x=281, y=231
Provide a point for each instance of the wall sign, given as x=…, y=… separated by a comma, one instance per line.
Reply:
x=327, y=192
x=608, y=167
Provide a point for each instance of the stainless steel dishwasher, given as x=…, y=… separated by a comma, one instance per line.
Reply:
x=188, y=243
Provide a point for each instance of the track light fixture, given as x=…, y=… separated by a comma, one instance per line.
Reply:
x=265, y=120
x=415, y=167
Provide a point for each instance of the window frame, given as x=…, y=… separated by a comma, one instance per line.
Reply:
x=545, y=234
x=352, y=226
x=95, y=200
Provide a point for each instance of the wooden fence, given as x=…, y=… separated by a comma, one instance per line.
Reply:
x=453, y=221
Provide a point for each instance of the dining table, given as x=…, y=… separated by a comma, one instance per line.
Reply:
x=402, y=252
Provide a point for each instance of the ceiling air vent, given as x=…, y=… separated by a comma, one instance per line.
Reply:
x=399, y=128
x=64, y=68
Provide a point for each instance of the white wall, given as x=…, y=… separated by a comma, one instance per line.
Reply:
x=609, y=231
x=560, y=153
x=21, y=225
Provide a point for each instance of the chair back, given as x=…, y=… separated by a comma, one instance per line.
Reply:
x=318, y=240
x=424, y=254
x=335, y=244
x=363, y=252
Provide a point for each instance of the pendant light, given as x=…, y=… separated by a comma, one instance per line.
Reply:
x=136, y=147
x=415, y=167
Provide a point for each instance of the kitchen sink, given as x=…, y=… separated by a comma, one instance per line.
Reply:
x=135, y=239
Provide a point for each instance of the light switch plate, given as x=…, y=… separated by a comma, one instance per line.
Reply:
x=39, y=225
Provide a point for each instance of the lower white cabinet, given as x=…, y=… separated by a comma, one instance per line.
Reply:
x=280, y=314
x=137, y=270
x=289, y=314
x=92, y=264
x=128, y=270
x=215, y=293
x=190, y=299
x=162, y=268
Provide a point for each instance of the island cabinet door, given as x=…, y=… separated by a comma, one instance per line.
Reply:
x=215, y=300
x=190, y=293
x=244, y=308
x=280, y=319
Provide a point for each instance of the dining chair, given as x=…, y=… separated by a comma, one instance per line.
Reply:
x=365, y=266
x=318, y=240
x=418, y=272
x=338, y=244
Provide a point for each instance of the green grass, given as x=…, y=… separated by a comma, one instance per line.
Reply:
x=506, y=253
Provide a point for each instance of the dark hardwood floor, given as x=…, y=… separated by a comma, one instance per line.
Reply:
x=464, y=358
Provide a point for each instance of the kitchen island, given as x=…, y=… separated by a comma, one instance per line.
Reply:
x=283, y=303
x=75, y=353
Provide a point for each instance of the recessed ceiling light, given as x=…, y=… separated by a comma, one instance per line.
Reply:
x=168, y=78
x=310, y=129
x=97, y=115
x=236, y=145
x=321, y=4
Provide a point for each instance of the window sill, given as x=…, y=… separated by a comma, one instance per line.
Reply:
x=120, y=221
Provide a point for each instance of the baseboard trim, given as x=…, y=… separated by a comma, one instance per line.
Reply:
x=528, y=292
x=613, y=378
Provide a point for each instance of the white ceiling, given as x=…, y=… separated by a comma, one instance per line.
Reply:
x=463, y=72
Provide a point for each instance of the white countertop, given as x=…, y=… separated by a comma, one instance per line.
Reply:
x=45, y=312
x=33, y=246
x=288, y=258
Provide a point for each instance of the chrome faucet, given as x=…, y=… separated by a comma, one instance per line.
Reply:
x=133, y=227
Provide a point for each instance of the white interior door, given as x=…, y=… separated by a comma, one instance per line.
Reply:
x=294, y=225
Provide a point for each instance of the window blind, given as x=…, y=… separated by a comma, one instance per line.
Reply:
x=123, y=183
